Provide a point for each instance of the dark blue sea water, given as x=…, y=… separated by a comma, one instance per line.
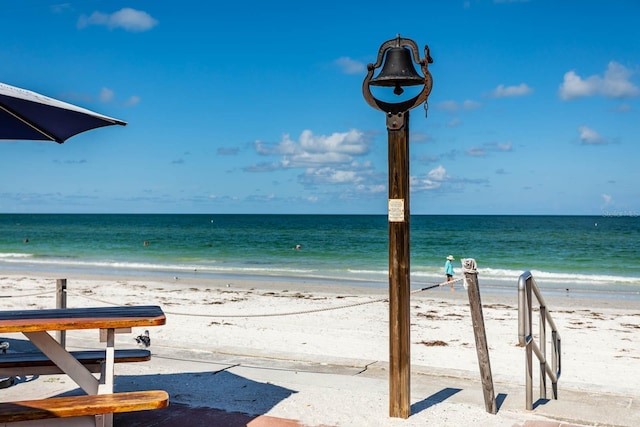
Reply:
x=585, y=253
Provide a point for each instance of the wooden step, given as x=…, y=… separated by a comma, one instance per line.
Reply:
x=78, y=406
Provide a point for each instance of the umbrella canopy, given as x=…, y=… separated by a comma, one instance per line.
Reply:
x=28, y=115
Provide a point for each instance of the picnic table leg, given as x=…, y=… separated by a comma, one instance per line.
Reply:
x=54, y=351
x=106, y=377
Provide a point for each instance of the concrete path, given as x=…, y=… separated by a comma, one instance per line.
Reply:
x=231, y=390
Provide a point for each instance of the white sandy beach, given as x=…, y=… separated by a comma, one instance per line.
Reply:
x=338, y=327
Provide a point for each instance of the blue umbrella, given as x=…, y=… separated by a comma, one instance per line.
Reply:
x=29, y=115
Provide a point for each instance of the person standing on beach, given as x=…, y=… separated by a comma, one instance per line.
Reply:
x=448, y=271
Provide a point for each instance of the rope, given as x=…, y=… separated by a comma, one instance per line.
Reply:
x=91, y=299
x=436, y=285
x=290, y=313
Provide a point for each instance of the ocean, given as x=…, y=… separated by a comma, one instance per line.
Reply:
x=586, y=255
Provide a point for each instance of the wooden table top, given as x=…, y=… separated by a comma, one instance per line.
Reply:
x=59, y=319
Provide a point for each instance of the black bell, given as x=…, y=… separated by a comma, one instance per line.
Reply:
x=398, y=71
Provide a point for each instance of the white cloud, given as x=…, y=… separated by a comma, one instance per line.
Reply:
x=453, y=106
x=380, y=188
x=351, y=142
x=475, y=152
x=106, y=95
x=418, y=136
x=329, y=175
x=574, y=87
x=126, y=18
x=590, y=136
x=623, y=108
x=614, y=84
x=497, y=146
x=471, y=105
x=263, y=167
x=351, y=66
x=360, y=176
x=503, y=91
x=431, y=181
x=504, y=147
x=314, y=150
x=455, y=122
x=438, y=173
x=422, y=184
x=305, y=158
x=228, y=151
x=488, y=147
x=327, y=160
x=450, y=106
x=607, y=199
x=133, y=100
x=60, y=8
x=286, y=146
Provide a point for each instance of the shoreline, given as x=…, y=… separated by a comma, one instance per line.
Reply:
x=550, y=291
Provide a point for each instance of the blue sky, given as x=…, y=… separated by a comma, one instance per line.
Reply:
x=257, y=107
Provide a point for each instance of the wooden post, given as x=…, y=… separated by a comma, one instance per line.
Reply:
x=475, y=305
x=61, y=302
x=399, y=268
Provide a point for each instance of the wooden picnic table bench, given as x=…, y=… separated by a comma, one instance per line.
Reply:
x=80, y=410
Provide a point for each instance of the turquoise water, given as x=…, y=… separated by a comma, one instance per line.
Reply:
x=586, y=253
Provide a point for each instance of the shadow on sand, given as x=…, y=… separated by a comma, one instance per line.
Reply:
x=219, y=398
x=215, y=398
x=434, y=399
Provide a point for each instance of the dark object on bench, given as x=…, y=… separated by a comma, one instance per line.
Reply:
x=78, y=406
x=144, y=339
x=37, y=363
x=6, y=382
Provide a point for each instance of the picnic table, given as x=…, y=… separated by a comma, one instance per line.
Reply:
x=36, y=325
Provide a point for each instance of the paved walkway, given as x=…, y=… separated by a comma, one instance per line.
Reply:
x=183, y=416
x=178, y=415
x=271, y=382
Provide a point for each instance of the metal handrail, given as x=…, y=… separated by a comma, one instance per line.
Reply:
x=527, y=285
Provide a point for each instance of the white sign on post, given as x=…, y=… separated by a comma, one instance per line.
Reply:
x=396, y=210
